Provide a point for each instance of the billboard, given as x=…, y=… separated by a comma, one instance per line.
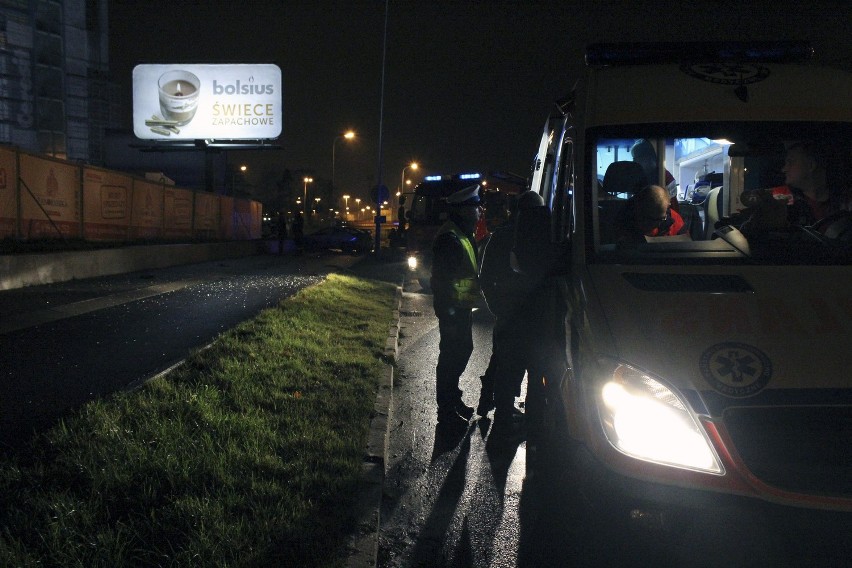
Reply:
x=195, y=102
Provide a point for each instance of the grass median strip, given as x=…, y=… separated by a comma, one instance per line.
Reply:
x=249, y=454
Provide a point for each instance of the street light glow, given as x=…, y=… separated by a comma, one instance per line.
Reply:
x=348, y=135
x=403, y=182
x=307, y=181
x=411, y=166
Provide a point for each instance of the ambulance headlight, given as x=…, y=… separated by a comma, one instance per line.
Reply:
x=412, y=262
x=650, y=421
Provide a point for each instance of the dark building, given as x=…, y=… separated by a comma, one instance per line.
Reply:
x=55, y=98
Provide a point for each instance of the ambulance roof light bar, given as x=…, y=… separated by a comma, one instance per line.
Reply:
x=647, y=53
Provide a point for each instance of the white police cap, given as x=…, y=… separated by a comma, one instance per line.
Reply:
x=468, y=195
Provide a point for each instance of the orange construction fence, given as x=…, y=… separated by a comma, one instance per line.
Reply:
x=47, y=198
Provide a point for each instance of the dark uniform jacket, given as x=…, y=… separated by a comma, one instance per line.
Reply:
x=504, y=289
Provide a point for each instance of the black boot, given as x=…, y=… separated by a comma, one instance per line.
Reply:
x=486, y=396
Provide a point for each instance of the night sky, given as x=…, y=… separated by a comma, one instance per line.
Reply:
x=468, y=85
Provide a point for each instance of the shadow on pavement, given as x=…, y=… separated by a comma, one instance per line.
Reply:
x=429, y=546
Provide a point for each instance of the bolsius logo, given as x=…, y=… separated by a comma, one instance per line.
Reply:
x=239, y=88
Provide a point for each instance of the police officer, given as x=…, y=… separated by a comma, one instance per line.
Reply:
x=455, y=289
x=509, y=295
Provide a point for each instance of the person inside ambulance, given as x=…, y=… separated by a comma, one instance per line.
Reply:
x=806, y=176
x=644, y=154
x=807, y=198
x=649, y=213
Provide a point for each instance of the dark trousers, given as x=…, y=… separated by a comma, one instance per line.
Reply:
x=455, y=347
x=511, y=354
x=511, y=357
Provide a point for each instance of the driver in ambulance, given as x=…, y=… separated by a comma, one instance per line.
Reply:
x=806, y=199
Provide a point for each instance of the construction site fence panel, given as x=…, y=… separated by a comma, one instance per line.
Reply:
x=43, y=198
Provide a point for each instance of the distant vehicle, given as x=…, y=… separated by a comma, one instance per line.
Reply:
x=698, y=380
x=344, y=238
x=428, y=210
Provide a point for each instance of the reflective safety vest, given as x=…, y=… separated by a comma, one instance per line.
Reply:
x=465, y=289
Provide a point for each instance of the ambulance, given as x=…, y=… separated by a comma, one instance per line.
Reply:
x=708, y=372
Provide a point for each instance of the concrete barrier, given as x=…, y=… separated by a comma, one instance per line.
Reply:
x=19, y=270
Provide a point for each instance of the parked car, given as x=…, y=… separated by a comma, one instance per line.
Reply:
x=346, y=239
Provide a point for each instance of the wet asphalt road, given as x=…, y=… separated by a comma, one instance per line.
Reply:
x=465, y=499
x=427, y=495
x=63, y=344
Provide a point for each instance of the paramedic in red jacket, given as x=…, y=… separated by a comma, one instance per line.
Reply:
x=649, y=214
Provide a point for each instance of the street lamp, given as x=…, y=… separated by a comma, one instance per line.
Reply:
x=305, y=199
x=346, y=201
x=349, y=135
x=413, y=166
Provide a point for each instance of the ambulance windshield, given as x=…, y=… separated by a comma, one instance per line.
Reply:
x=771, y=193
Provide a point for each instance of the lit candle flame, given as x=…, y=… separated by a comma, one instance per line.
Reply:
x=178, y=93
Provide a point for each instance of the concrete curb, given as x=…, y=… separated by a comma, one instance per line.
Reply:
x=364, y=545
x=19, y=270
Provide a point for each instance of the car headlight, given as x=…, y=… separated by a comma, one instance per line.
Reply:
x=647, y=420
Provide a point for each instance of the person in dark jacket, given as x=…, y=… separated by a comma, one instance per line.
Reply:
x=644, y=154
x=455, y=289
x=808, y=198
x=508, y=294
